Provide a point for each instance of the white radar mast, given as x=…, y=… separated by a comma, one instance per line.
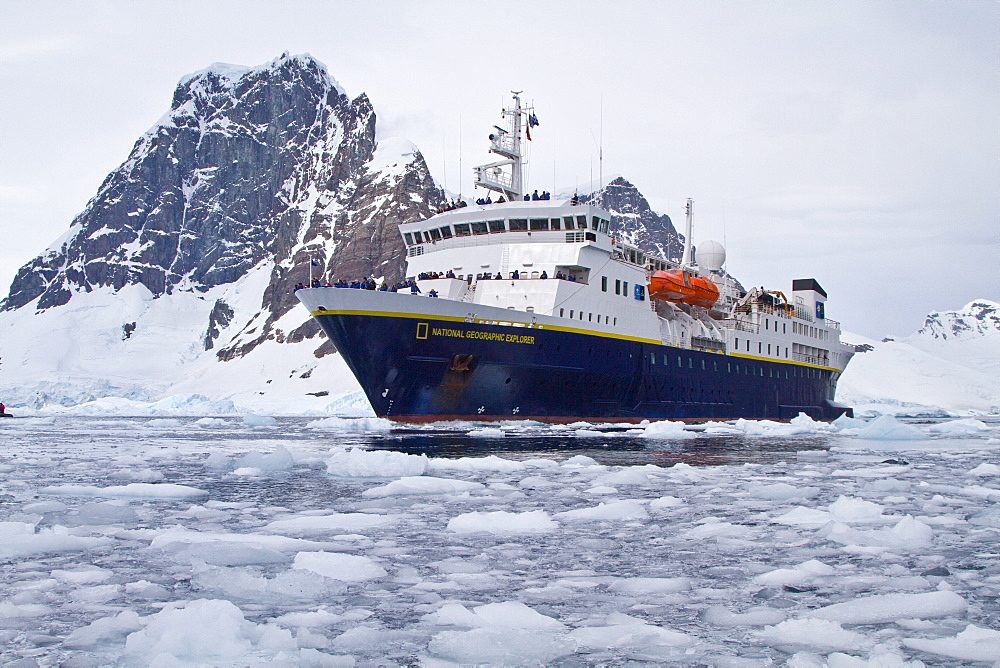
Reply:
x=686, y=259
x=506, y=142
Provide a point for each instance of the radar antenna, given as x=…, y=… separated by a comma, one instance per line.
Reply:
x=506, y=142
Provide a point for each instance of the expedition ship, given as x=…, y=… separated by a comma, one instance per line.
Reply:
x=541, y=314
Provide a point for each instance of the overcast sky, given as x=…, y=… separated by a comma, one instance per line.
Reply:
x=853, y=142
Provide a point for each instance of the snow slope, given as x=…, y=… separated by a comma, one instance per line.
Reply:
x=952, y=363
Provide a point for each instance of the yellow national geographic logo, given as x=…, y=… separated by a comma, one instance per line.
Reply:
x=421, y=330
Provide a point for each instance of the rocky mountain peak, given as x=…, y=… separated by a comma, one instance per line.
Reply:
x=634, y=221
x=201, y=197
x=977, y=319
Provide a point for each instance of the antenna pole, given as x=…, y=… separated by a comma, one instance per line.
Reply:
x=600, y=154
x=689, y=210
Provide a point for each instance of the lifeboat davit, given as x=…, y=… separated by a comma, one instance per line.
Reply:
x=680, y=286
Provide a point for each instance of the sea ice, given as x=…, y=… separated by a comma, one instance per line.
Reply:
x=343, y=567
x=305, y=525
x=200, y=631
x=361, y=425
x=135, y=490
x=888, y=428
x=972, y=644
x=613, y=510
x=890, y=607
x=501, y=521
x=418, y=485
x=356, y=463
x=19, y=539
x=253, y=420
x=667, y=430
x=821, y=634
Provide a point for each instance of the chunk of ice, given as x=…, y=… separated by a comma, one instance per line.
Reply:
x=500, y=521
x=888, y=428
x=343, y=567
x=819, y=633
x=418, y=485
x=972, y=644
x=357, y=463
x=890, y=607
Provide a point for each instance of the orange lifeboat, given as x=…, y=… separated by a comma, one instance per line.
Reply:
x=705, y=292
x=680, y=286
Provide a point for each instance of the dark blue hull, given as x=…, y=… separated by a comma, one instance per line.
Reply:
x=423, y=369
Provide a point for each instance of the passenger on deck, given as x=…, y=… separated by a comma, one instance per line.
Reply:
x=450, y=274
x=414, y=288
x=515, y=275
x=501, y=200
x=544, y=275
x=499, y=276
x=546, y=195
x=298, y=286
x=534, y=196
x=489, y=200
x=527, y=198
x=315, y=283
x=432, y=293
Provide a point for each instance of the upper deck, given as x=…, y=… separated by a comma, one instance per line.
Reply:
x=521, y=222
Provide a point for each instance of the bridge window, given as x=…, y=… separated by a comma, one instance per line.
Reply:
x=518, y=224
x=496, y=226
x=435, y=235
x=462, y=230
x=408, y=238
x=569, y=222
x=479, y=228
x=539, y=224
x=446, y=231
x=555, y=224
x=581, y=222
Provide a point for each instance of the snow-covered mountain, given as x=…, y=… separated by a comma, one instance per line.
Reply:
x=633, y=221
x=952, y=362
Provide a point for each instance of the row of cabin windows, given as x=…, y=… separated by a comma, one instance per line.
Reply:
x=784, y=326
x=810, y=331
x=512, y=225
x=807, y=330
x=621, y=288
x=745, y=369
x=760, y=348
x=578, y=315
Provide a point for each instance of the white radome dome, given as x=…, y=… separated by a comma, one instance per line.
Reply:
x=710, y=255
